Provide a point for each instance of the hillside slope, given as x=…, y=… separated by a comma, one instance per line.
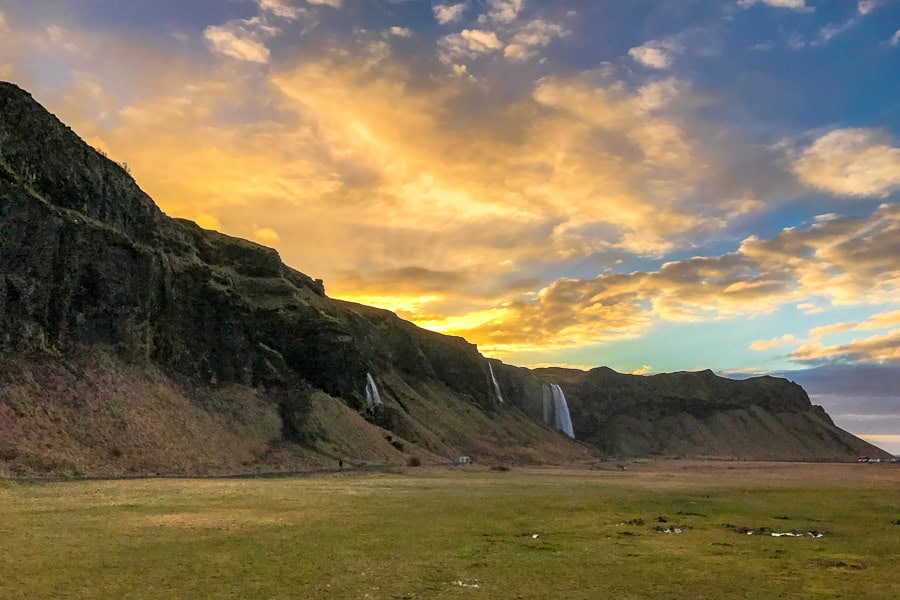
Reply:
x=131, y=342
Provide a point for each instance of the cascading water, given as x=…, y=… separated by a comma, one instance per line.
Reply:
x=556, y=409
x=496, y=385
x=373, y=398
x=549, y=413
x=563, y=418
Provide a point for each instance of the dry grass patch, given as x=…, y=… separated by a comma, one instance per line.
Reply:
x=214, y=519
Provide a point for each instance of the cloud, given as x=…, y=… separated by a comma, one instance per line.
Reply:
x=829, y=329
x=63, y=39
x=798, y=5
x=850, y=162
x=652, y=55
x=449, y=13
x=469, y=43
x=810, y=308
x=413, y=280
x=560, y=365
x=401, y=32
x=882, y=320
x=831, y=31
x=229, y=44
x=877, y=349
x=281, y=8
x=331, y=3
x=266, y=235
x=535, y=181
x=207, y=221
x=766, y=344
x=661, y=53
x=895, y=39
x=240, y=39
x=535, y=34
x=4, y=26
x=873, y=388
x=504, y=11
x=866, y=6
x=849, y=261
x=479, y=40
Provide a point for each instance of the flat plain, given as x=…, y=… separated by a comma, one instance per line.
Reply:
x=661, y=529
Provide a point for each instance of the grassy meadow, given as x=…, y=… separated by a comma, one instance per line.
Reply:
x=461, y=533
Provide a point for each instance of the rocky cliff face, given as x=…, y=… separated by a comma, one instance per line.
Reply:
x=86, y=257
x=692, y=414
x=89, y=266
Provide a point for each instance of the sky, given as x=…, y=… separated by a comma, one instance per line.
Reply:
x=651, y=185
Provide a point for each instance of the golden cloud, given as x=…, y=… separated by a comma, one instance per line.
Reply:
x=851, y=162
x=266, y=235
x=829, y=329
x=844, y=260
x=882, y=320
x=878, y=349
x=766, y=344
x=237, y=41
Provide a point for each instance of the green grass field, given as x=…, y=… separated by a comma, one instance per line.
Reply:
x=427, y=534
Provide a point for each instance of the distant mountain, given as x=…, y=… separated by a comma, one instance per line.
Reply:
x=131, y=342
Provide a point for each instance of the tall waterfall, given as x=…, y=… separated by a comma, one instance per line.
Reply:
x=556, y=409
x=549, y=413
x=373, y=398
x=496, y=385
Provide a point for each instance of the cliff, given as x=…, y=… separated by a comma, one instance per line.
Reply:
x=131, y=342
x=694, y=414
x=95, y=280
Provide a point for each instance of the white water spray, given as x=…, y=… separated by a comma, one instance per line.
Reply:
x=556, y=409
x=496, y=385
x=373, y=398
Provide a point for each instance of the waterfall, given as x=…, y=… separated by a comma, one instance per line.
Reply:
x=563, y=419
x=496, y=385
x=549, y=413
x=373, y=398
x=556, y=409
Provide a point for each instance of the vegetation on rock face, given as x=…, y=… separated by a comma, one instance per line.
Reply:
x=89, y=266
